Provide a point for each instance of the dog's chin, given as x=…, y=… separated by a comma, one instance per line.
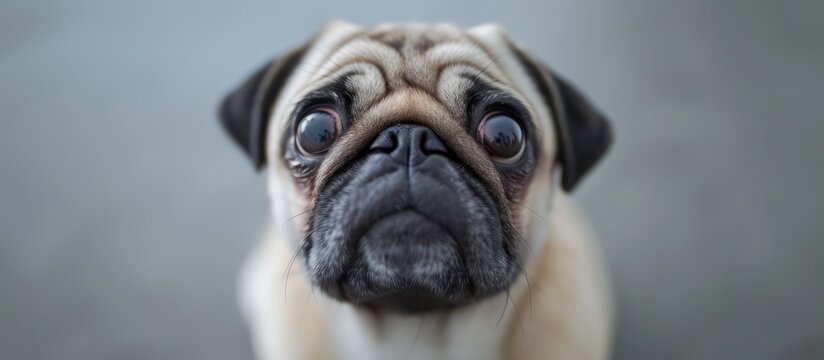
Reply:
x=408, y=239
x=408, y=263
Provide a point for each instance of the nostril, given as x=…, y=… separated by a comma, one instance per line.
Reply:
x=430, y=144
x=386, y=142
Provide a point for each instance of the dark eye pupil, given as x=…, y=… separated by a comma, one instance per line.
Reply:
x=317, y=131
x=502, y=136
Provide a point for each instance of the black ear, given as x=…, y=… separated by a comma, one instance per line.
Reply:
x=245, y=111
x=584, y=134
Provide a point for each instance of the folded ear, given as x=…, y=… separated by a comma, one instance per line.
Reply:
x=245, y=111
x=584, y=134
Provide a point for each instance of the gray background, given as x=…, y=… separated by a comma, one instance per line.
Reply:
x=125, y=212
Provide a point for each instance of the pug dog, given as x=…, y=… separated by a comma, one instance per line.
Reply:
x=415, y=214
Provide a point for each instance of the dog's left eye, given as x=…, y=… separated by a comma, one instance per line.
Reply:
x=502, y=136
x=317, y=131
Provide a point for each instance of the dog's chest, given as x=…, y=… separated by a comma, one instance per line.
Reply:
x=460, y=336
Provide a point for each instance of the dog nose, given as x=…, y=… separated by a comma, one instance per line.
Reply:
x=408, y=143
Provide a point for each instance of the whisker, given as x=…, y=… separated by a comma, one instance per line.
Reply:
x=296, y=216
x=533, y=211
x=326, y=57
x=528, y=284
x=315, y=72
x=518, y=316
x=506, y=303
x=490, y=63
x=522, y=239
x=520, y=263
x=292, y=261
x=415, y=341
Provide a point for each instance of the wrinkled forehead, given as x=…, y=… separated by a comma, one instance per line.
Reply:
x=429, y=58
x=412, y=55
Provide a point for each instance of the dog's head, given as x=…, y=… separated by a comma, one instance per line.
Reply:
x=404, y=161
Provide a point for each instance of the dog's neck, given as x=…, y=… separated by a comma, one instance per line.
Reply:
x=473, y=332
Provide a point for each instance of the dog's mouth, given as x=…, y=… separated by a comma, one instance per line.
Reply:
x=414, y=235
x=406, y=262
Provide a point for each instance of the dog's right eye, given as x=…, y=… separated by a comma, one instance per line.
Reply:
x=317, y=131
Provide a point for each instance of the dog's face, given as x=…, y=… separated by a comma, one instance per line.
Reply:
x=404, y=161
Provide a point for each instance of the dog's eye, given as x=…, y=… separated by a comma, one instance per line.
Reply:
x=502, y=136
x=317, y=131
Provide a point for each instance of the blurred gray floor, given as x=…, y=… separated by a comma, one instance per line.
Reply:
x=125, y=213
